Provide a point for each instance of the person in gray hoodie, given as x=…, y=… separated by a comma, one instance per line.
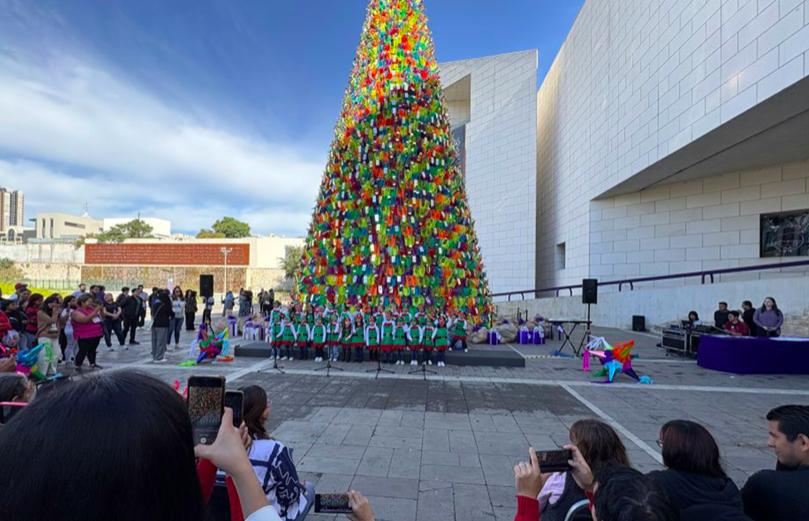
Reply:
x=694, y=479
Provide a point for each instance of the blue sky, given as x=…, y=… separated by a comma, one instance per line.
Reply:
x=193, y=109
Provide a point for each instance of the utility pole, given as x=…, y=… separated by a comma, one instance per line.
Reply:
x=226, y=251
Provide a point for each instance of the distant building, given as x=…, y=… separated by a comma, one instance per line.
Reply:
x=66, y=226
x=12, y=208
x=161, y=228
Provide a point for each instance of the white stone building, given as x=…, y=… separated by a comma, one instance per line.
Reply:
x=671, y=136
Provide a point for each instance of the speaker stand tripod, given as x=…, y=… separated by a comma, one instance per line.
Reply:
x=275, y=366
x=328, y=367
x=379, y=366
x=423, y=370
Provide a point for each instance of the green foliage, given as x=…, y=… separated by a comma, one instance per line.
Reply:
x=210, y=234
x=228, y=227
x=8, y=271
x=134, y=229
x=291, y=262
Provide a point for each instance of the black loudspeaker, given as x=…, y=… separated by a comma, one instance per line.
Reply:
x=206, y=285
x=589, y=292
x=638, y=323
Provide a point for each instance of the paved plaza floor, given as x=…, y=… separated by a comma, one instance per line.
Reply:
x=444, y=448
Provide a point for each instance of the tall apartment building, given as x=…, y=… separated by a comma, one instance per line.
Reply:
x=12, y=209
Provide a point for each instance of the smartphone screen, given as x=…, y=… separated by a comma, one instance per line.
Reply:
x=332, y=504
x=235, y=400
x=554, y=460
x=9, y=409
x=206, y=399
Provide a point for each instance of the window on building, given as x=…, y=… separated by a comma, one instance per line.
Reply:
x=785, y=234
x=74, y=225
x=560, y=256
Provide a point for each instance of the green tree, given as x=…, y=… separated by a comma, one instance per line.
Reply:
x=8, y=271
x=210, y=234
x=231, y=228
x=291, y=262
x=134, y=229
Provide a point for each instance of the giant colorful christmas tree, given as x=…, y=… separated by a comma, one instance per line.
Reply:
x=392, y=221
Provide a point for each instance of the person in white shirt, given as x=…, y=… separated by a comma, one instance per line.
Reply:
x=176, y=322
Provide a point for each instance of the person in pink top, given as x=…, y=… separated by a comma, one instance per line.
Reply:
x=86, y=320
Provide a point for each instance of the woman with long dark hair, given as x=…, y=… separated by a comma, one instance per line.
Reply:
x=272, y=461
x=600, y=446
x=176, y=321
x=142, y=465
x=769, y=319
x=190, y=309
x=694, y=478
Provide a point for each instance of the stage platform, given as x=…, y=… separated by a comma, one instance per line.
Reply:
x=478, y=355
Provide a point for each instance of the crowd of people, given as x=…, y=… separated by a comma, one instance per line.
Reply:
x=149, y=469
x=764, y=321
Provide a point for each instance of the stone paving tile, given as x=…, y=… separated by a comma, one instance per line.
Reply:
x=405, y=463
x=375, y=462
x=472, y=502
x=452, y=474
x=462, y=441
x=393, y=509
x=386, y=487
x=436, y=440
x=507, y=444
x=436, y=505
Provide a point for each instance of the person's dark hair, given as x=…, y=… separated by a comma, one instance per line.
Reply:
x=48, y=301
x=747, y=303
x=793, y=420
x=624, y=494
x=689, y=447
x=598, y=443
x=82, y=299
x=124, y=289
x=255, y=403
x=135, y=453
x=35, y=300
x=68, y=299
x=774, y=305
x=723, y=304
x=734, y=313
x=696, y=315
x=12, y=385
x=174, y=292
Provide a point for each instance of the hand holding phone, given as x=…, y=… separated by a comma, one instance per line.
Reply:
x=332, y=504
x=554, y=460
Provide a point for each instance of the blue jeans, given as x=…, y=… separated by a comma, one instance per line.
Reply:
x=309, y=494
x=334, y=351
x=175, y=326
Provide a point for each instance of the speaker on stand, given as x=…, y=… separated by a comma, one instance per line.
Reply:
x=206, y=285
x=589, y=296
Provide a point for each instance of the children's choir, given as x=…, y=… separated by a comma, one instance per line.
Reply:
x=389, y=335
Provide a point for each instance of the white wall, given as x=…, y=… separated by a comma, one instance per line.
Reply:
x=160, y=227
x=700, y=225
x=637, y=80
x=663, y=305
x=501, y=162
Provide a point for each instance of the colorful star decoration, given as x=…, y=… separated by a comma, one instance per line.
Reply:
x=392, y=221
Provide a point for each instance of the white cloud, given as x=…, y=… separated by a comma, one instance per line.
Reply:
x=65, y=116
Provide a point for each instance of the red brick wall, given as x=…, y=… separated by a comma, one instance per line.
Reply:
x=166, y=254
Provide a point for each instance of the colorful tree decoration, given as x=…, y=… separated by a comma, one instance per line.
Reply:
x=392, y=222
x=614, y=359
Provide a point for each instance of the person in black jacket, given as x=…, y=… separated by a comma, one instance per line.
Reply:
x=694, y=479
x=782, y=494
x=161, y=316
x=130, y=306
x=747, y=317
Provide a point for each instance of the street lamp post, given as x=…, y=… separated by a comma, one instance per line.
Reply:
x=226, y=252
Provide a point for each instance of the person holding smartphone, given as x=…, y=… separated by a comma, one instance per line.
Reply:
x=86, y=320
x=272, y=461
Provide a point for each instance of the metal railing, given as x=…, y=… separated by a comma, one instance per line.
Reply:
x=704, y=275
